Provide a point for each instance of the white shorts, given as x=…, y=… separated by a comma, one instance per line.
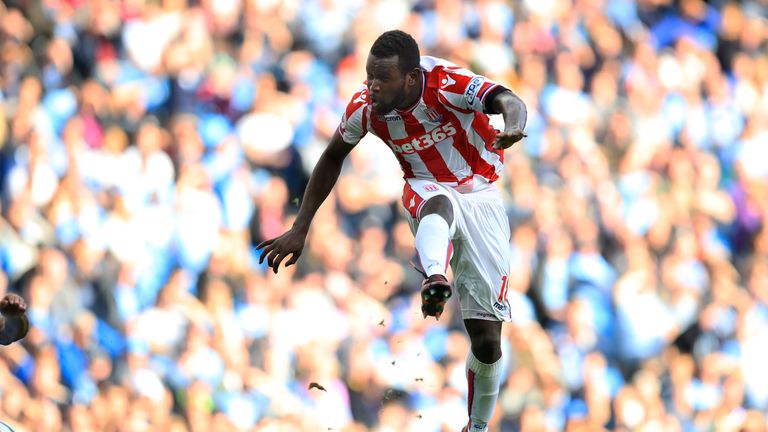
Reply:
x=481, y=249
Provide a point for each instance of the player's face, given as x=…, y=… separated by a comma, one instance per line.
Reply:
x=388, y=86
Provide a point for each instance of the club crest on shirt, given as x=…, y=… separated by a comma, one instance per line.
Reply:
x=433, y=115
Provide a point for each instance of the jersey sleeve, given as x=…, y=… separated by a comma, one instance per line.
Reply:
x=353, y=125
x=465, y=90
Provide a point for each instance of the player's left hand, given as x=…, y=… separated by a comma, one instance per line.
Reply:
x=507, y=138
x=13, y=304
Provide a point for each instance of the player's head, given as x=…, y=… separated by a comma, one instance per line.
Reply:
x=392, y=70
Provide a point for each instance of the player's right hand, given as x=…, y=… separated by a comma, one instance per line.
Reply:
x=277, y=249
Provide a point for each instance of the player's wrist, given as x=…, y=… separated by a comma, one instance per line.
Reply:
x=301, y=229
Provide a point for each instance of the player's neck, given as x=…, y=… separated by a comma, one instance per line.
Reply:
x=413, y=99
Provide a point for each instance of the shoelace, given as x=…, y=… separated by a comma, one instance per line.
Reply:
x=418, y=269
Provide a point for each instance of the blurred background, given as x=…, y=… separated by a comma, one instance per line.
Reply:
x=146, y=147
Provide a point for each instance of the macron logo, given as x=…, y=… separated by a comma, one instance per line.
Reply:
x=391, y=118
x=360, y=98
x=447, y=81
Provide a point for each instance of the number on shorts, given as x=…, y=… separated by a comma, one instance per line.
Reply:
x=504, y=288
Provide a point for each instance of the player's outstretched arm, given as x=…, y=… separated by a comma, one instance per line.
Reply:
x=512, y=108
x=14, y=324
x=321, y=182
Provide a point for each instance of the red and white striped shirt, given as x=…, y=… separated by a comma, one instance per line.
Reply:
x=445, y=137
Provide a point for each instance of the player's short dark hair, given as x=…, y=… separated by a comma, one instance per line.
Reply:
x=401, y=44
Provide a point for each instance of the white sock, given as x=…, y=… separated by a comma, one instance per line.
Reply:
x=483, y=380
x=433, y=244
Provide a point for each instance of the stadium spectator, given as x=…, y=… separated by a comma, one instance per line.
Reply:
x=147, y=147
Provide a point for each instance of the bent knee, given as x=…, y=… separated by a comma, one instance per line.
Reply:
x=440, y=205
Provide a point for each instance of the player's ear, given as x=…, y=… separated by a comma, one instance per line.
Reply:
x=412, y=77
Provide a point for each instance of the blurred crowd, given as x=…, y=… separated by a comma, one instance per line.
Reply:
x=147, y=146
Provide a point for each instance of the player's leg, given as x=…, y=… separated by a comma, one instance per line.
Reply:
x=433, y=235
x=434, y=250
x=433, y=223
x=481, y=277
x=483, y=371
